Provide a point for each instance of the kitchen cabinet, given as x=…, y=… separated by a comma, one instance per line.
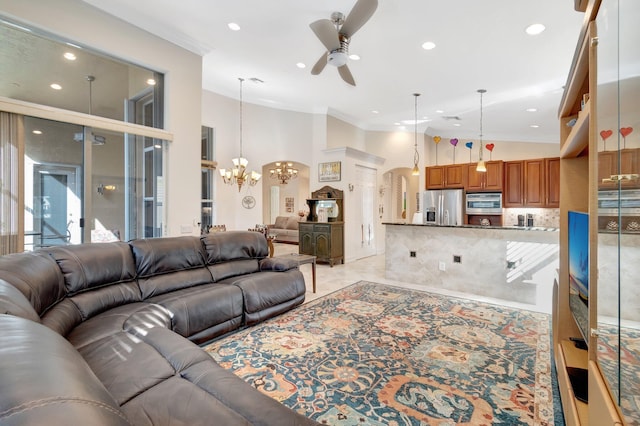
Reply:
x=552, y=185
x=532, y=183
x=608, y=166
x=322, y=239
x=449, y=176
x=491, y=180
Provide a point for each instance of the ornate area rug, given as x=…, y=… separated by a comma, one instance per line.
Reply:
x=374, y=354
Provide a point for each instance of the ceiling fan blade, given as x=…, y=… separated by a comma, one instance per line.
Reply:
x=327, y=33
x=358, y=16
x=346, y=75
x=319, y=66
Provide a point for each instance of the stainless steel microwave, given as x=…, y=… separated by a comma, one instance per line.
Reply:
x=625, y=203
x=486, y=203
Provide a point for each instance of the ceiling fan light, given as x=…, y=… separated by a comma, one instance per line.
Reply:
x=337, y=59
x=481, y=167
x=415, y=171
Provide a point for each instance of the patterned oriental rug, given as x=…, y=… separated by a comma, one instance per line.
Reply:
x=373, y=354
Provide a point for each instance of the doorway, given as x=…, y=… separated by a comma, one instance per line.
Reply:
x=57, y=205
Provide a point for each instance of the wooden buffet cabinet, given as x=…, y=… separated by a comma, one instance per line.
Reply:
x=323, y=239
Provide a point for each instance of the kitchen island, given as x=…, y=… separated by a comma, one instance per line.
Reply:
x=504, y=262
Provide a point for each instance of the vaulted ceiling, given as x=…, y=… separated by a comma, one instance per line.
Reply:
x=478, y=45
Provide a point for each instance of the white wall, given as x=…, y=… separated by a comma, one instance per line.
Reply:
x=86, y=25
x=268, y=135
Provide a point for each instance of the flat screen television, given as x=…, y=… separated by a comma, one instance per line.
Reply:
x=578, y=253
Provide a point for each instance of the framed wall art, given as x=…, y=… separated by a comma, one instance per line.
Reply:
x=329, y=172
x=288, y=203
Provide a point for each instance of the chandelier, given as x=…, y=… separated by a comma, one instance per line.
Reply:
x=481, y=167
x=416, y=157
x=239, y=175
x=284, y=172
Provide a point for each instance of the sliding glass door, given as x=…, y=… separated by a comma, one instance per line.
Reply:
x=83, y=184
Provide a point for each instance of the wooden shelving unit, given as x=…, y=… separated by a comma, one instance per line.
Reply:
x=579, y=192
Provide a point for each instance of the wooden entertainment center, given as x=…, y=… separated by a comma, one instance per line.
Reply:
x=600, y=103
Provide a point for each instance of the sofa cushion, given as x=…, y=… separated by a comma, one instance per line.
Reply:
x=46, y=381
x=168, y=264
x=280, y=222
x=292, y=223
x=13, y=302
x=133, y=317
x=195, y=390
x=234, y=253
x=203, y=312
x=234, y=245
x=37, y=276
x=267, y=294
x=97, y=277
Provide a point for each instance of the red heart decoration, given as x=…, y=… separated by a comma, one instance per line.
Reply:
x=626, y=131
x=605, y=134
x=490, y=146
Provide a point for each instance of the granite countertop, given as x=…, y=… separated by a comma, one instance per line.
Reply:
x=517, y=228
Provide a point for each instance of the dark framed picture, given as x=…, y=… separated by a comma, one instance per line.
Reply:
x=329, y=172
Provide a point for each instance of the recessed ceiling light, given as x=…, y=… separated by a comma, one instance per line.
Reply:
x=531, y=109
x=233, y=26
x=413, y=121
x=534, y=29
x=375, y=111
x=354, y=57
x=151, y=82
x=69, y=56
x=428, y=45
x=534, y=126
x=300, y=65
x=457, y=124
x=55, y=86
x=37, y=132
x=396, y=124
x=439, y=111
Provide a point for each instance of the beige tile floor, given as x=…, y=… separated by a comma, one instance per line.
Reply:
x=330, y=279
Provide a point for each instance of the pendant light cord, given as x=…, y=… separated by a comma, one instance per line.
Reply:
x=241, y=80
x=416, y=156
x=481, y=91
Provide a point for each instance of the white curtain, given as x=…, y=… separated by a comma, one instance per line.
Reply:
x=11, y=187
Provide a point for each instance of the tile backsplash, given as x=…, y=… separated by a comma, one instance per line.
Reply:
x=548, y=218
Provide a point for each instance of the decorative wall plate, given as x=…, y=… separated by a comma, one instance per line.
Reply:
x=248, y=202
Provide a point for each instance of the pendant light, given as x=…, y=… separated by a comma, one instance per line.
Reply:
x=416, y=157
x=481, y=167
x=238, y=175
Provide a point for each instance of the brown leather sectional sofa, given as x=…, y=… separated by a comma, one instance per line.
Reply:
x=107, y=334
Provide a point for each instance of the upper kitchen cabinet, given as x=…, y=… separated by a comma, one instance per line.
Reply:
x=532, y=183
x=449, y=176
x=491, y=180
x=618, y=166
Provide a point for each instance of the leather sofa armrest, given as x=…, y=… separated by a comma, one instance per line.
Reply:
x=277, y=264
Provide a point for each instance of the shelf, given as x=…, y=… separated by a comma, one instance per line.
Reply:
x=576, y=412
x=578, y=139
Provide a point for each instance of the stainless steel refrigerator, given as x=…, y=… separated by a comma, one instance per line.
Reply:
x=443, y=206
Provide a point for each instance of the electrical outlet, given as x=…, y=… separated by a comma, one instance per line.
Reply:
x=412, y=254
x=441, y=266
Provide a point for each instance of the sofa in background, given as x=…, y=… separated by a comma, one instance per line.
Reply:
x=107, y=334
x=285, y=229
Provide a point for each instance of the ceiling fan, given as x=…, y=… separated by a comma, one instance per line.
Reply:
x=336, y=34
